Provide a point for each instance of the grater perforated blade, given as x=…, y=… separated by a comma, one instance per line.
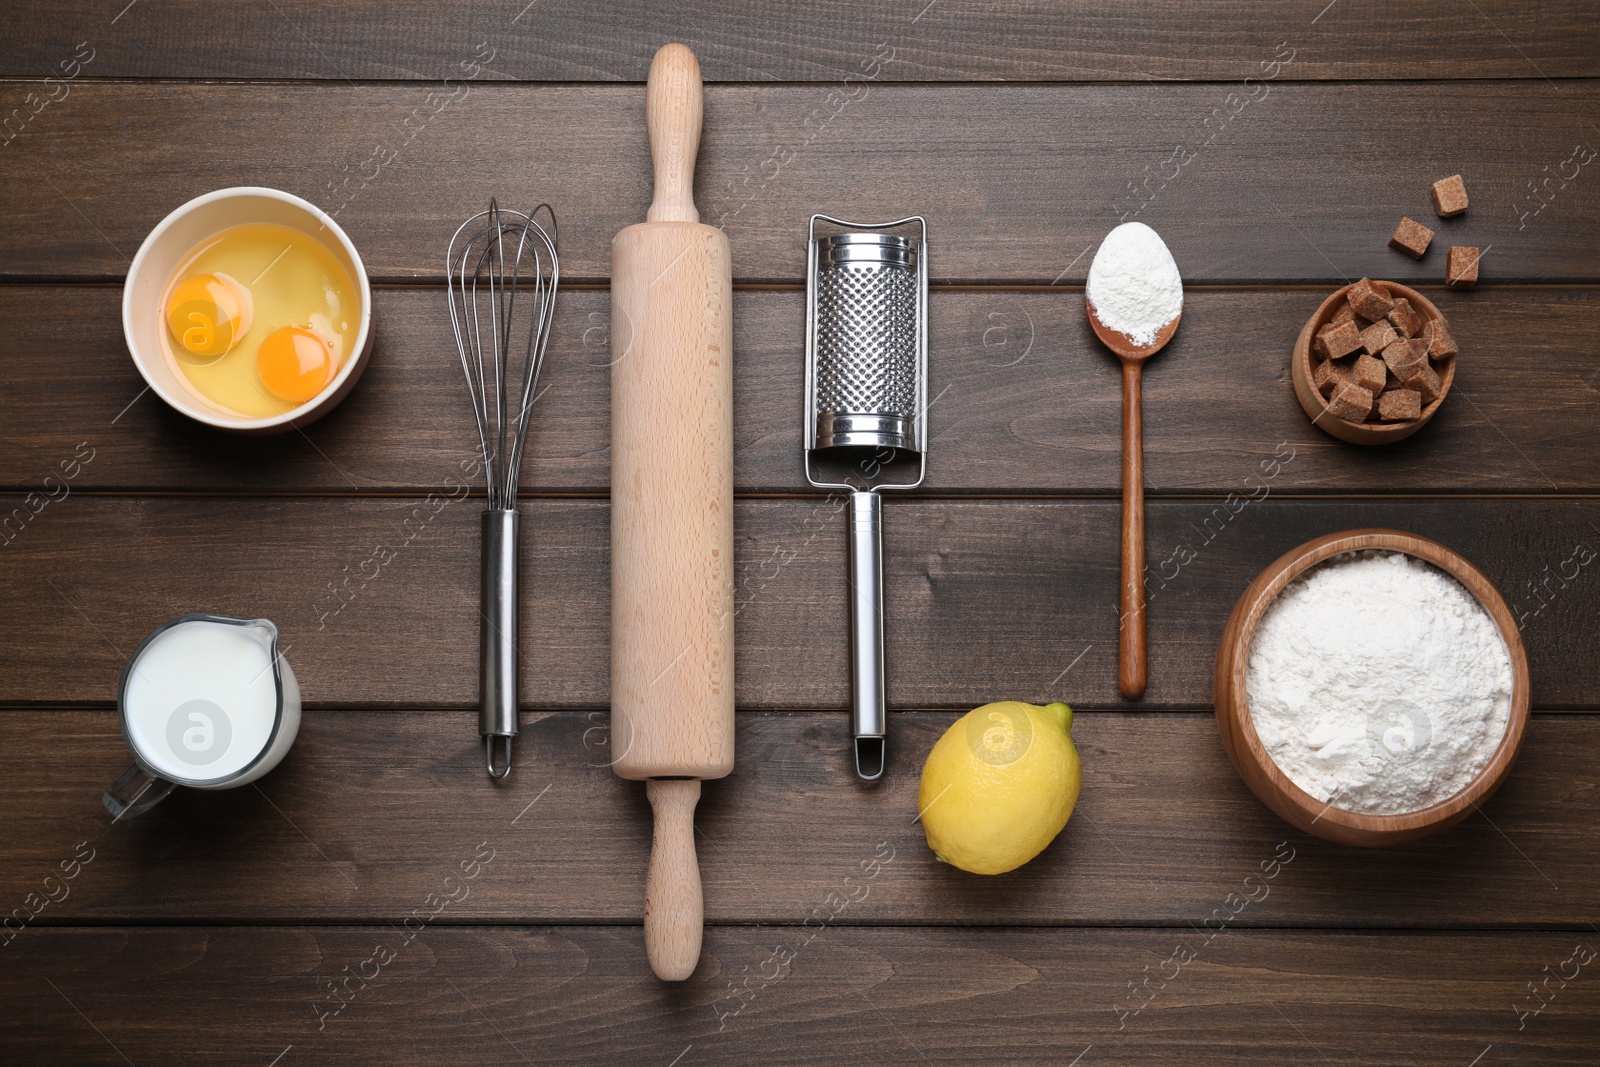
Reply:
x=866, y=408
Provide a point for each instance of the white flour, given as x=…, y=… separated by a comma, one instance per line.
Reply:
x=1377, y=683
x=1134, y=283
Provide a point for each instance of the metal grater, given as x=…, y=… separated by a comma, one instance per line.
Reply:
x=866, y=405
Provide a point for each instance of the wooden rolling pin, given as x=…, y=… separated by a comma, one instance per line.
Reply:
x=672, y=510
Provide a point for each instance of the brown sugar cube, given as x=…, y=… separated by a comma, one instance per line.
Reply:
x=1319, y=343
x=1419, y=349
x=1427, y=383
x=1341, y=340
x=1377, y=337
x=1401, y=405
x=1351, y=403
x=1371, y=300
x=1461, y=269
x=1324, y=378
x=1449, y=196
x=1440, y=344
x=1370, y=374
x=1411, y=237
x=1329, y=375
x=1405, y=318
x=1402, y=360
x=1345, y=313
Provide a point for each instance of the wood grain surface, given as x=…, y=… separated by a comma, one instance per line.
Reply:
x=372, y=809
x=377, y=599
x=1027, y=402
x=1019, y=996
x=781, y=40
x=1018, y=182
x=1273, y=145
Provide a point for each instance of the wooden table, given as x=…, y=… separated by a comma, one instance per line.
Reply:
x=1273, y=145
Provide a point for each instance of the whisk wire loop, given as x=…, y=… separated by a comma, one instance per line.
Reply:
x=496, y=256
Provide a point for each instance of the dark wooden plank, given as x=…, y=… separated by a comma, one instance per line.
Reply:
x=787, y=41
x=372, y=809
x=985, y=600
x=1018, y=182
x=1027, y=402
x=517, y=996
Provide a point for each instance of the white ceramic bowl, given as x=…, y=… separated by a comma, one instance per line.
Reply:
x=164, y=250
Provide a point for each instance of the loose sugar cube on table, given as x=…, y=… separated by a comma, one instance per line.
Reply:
x=1449, y=196
x=1411, y=237
x=1461, y=269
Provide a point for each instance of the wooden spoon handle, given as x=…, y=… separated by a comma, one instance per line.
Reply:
x=674, y=911
x=674, y=109
x=1131, y=666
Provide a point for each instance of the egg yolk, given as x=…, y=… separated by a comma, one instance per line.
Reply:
x=207, y=313
x=296, y=363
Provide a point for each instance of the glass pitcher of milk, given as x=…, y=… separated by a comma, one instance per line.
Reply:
x=206, y=701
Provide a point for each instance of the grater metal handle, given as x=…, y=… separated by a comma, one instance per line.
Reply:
x=869, y=718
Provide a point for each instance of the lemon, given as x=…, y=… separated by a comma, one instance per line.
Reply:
x=1000, y=785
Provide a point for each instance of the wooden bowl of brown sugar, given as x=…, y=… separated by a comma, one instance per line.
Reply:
x=1313, y=372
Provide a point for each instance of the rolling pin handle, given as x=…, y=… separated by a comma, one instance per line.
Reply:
x=674, y=110
x=674, y=911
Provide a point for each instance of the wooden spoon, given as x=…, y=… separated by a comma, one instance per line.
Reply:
x=1132, y=671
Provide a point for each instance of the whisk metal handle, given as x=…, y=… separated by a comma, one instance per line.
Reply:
x=869, y=717
x=497, y=661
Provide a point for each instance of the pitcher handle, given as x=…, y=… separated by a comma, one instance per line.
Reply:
x=135, y=792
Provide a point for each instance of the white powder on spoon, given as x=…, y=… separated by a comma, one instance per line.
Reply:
x=1134, y=283
x=1377, y=683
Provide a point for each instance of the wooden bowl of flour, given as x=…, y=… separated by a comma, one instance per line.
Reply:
x=1256, y=766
